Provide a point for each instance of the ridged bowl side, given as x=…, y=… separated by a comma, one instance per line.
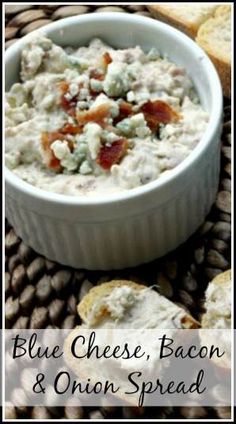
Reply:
x=120, y=243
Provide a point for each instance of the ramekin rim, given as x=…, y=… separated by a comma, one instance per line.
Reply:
x=110, y=198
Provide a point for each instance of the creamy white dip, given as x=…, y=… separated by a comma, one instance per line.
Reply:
x=96, y=120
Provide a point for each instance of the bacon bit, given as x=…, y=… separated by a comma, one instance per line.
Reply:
x=64, y=87
x=93, y=93
x=95, y=74
x=68, y=105
x=98, y=115
x=106, y=58
x=125, y=111
x=54, y=163
x=71, y=129
x=48, y=138
x=158, y=112
x=110, y=155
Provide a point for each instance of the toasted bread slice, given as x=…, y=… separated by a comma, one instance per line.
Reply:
x=214, y=36
x=185, y=17
x=124, y=304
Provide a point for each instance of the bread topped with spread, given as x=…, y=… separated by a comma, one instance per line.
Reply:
x=218, y=302
x=217, y=317
x=124, y=304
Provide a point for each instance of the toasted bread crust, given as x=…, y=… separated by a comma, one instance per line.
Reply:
x=161, y=14
x=167, y=14
x=223, y=277
x=219, y=56
x=224, y=71
x=223, y=10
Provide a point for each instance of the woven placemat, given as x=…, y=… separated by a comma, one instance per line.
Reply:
x=44, y=294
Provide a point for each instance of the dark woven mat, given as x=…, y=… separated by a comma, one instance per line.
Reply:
x=42, y=294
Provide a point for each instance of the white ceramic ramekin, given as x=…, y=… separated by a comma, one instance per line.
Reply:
x=124, y=229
